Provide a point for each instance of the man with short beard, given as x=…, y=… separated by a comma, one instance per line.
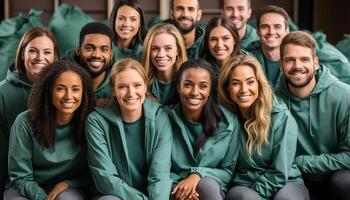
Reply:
x=185, y=15
x=95, y=53
x=239, y=11
x=320, y=104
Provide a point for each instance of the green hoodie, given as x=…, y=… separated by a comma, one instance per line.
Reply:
x=103, y=91
x=165, y=93
x=323, y=120
x=274, y=167
x=250, y=36
x=33, y=169
x=108, y=153
x=134, y=53
x=14, y=93
x=216, y=158
x=194, y=51
x=271, y=68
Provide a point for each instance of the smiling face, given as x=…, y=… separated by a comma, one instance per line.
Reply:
x=272, y=30
x=238, y=11
x=164, y=52
x=127, y=23
x=95, y=53
x=243, y=88
x=67, y=93
x=221, y=43
x=186, y=14
x=37, y=54
x=129, y=90
x=194, y=89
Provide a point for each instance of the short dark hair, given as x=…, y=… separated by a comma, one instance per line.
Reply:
x=272, y=9
x=172, y=4
x=95, y=28
x=300, y=38
x=42, y=112
x=137, y=6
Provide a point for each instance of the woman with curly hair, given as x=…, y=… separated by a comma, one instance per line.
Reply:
x=164, y=51
x=46, y=152
x=265, y=167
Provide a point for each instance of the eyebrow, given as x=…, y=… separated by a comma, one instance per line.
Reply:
x=249, y=78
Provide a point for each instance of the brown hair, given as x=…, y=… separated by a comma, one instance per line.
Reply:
x=272, y=9
x=299, y=38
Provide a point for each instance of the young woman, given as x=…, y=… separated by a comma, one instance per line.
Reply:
x=36, y=49
x=265, y=167
x=221, y=41
x=129, y=141
x=205, y=144
x=164, y=51
x=128, y=22
x=46, y=152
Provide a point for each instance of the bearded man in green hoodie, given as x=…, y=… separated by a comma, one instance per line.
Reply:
x=320, y=104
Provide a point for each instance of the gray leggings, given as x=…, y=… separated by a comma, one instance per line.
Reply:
x=209, y=189
x=71, y=194
x=291, y=191
x=106, y=197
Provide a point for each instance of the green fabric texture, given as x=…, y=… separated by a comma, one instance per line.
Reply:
x=344, y=46
x=332, y=58
x=109, y=156
x=268, y=172
x=194, y=51
x=250, y=36
x=323, y=120
x=134, y=53
x=216, y=158
x=32, y=167
x=14, y=92
x=66, y=23
x=165, y=93
x=11, y=32
x=271, y=68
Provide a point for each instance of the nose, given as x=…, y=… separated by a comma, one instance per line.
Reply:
x=195, y=91
x=235, y=12
x=96, y=53
x=39, y=55
x=271, y=30
x=131, y=91
x=161, y=52
x=68, y=94
x=220, y=43
x=244, y=88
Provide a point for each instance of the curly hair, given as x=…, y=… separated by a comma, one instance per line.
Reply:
x=42, y=112
x=258, y=125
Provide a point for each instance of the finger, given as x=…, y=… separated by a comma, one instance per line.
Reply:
x=175, y=189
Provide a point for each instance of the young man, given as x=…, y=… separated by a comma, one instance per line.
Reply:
x=239, y=11
x=320, y=103
x=185, y=14
x=95, y=53
x=272, y=26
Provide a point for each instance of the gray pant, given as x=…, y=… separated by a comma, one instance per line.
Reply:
x=209, y=189
x=291, y=191
x=106, y=197
x=71, y=194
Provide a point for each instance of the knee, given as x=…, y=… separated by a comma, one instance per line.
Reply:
x=108, y=197
x=72, y=194
x=242, y=193
x=206, y=183
x=340, y=180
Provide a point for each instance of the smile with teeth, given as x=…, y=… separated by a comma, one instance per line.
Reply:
x=39, y=64
x=161, y=62
x=67, y=104
x=96, y=63
x=126, y=30
x=131, y=100
x=194, y=101
x=220, y=51
x=244, y=98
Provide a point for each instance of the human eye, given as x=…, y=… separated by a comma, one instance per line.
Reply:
x=203, y=86
x=188, y=84
x=47, y=52
x=76, y=89
x=251, y=82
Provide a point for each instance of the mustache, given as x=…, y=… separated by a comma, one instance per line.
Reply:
x=297, y=71
x=184, y=18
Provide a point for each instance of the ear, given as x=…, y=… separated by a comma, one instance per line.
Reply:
x=316, y=61
x=199, y=16
x=171, y=13
x=77, y=51
x=249, y=12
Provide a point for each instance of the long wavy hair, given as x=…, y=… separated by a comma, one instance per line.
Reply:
x=136, y=6
x=170, y=29
x=42, y=112
x=28, y=37
x=210, y=115
x=257, y=125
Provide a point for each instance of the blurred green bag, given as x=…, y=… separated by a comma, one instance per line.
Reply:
x=11, y=32
x=66, y=23
x=344, y=46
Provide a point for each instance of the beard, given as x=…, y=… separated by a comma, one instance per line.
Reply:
x=94, y=73
x=292, y=83
x=184, y=30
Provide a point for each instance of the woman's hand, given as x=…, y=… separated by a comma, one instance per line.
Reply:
x=59, y=187
x=186, y=189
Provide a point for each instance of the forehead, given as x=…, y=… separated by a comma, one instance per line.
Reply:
x=164, y=38
x=186, y=3
x=220, y=31
x=127, y=76
x=97, y=39
x=296, y=51
x=272, y=18
x=68, y=78
x=41, y=41
x=236, y=3
x=127, y=11
x=196, y=75
x=242, y=72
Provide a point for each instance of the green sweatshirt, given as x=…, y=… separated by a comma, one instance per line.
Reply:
x=14, y=92
x=194, y=50
x=165, y=93
x=134, y=53
x=323, y=120
x=215, y=159
x=109, y=156
x=250, y=36
x=274, y=167
x=271, y=68
x=103, y=91
x=33, y=169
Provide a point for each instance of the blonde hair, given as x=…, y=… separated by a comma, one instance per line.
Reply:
x=146, y=52
x=258, y=124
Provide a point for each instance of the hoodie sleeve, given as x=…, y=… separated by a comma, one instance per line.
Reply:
x=223, y=173
x=330, y=162
x=20, y=161
x=159, y=168
x=284, y=148
x=103, y=171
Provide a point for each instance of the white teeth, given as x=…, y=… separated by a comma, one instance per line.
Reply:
x=161, y=62
x=39, y=64
x=95, y=63
x=133, y=100
x=194, y=101
x=244, y=97
x=67, y=104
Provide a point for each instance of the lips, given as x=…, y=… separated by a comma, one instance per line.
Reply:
x=96, y=63
x=68, y=105
x=39, y=65
x=194, y=101
x=244, y=98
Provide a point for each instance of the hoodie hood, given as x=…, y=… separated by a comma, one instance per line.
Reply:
x=17, y=79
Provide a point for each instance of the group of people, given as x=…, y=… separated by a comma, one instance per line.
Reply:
x=181, y=111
